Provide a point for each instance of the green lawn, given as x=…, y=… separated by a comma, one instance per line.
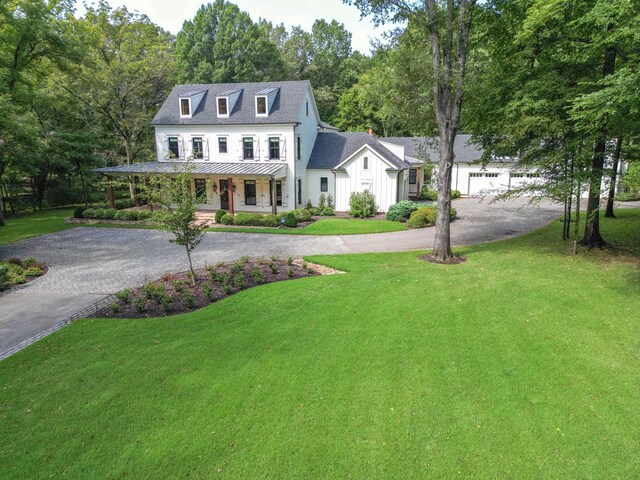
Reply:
x=326, y=226
x=33, y=224
x=520, y=363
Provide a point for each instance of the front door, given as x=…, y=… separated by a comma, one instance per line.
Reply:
x=224, y=194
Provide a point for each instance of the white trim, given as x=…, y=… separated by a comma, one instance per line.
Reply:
x=180, y=100
x=266, y=106
x=222, y=115
x=348, y=159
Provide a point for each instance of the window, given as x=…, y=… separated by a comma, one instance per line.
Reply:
x=222, y=106
x=324, y=184
x=491, y=175
x=299, y=191
x=185, y=107
x=201, y=189
x=198, y=152
x=261, y=105
x=250, y=192
x=278, y=193
x=174, y=150
x=365, y=163
x=532, y=175
x=299, y=149
x=475, y=175
x=274, y=148
x=517, y=175
x=222, y=144
x=247, y=148
x=413, y=176
x=307, y=108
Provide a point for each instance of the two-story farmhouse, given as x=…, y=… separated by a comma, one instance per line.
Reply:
x=261, y=147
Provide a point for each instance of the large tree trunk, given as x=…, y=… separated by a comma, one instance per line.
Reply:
x=592, y=237
x=614, y=178
x=448, y=58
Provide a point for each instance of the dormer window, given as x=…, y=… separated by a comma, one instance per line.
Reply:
x=223, y=107
x=185, y=107
x=265, y=99
x=261, y=105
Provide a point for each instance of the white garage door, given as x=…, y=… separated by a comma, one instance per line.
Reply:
x=483, y=182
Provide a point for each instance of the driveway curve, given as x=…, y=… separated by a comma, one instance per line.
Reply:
x=87, y=264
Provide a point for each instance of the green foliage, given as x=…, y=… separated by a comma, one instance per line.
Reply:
x=308, y=205
x=422, y=217
x=227, y=219
x=303, y=215
x=290, y=220
x=322, y=201
x=362, y=204
x=127, y=215
x=219, y=215
x=401, y=211
x=455, y=194
x=154, y=291
x=270, y=220
x=327, y=212
x=257, y=275
x=222, y=44
x=248, y=219
x=4, y=277
x=123, y=295
x=89, y=213
x=427, y=194
x=78, y=211
x=329, y=201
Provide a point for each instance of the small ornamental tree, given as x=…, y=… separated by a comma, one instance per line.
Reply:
x=362, y=204
x=179, y=214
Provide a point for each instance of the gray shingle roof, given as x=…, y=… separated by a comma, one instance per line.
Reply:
x=285, y=109
x=421, y=147
x=205, y=168
x=332, y=148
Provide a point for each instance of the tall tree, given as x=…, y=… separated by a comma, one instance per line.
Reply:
x=448, y=24
x=222, y=44
x=128, y=73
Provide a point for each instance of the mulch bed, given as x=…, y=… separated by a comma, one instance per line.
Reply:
x=175, y=293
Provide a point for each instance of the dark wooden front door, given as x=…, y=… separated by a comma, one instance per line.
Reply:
x=224, y=194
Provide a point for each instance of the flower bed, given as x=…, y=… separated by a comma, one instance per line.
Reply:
x=17, y=272
x=175, y=293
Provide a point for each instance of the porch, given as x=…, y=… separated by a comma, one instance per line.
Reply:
x=256, y=187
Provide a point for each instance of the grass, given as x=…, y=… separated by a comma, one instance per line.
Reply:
x=33, y=224
x=520, y=363
x=326, y=226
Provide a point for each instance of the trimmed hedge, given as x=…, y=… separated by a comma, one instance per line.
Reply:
x=89, y=213
x=303, y=215
x=248, y=219
x=270, y=220
x=426, y=217
x=290, y=220
x=219, y=215
x=77, y=213
x=227, y=219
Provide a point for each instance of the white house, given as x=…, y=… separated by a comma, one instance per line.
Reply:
x=262, y=147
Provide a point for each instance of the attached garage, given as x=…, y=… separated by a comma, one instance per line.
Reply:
x=480, y=182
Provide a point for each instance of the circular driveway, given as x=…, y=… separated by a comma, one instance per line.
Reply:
x=87, y=264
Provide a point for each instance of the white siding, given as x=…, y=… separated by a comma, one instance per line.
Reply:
x=313, y=185
x=307, y=130
x=376, y=179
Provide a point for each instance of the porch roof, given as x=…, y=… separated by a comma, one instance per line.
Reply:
x=198, y=168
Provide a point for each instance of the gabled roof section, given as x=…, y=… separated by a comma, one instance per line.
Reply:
x=285, y=108
x=267, y=91
x=333, y=148
x=425, y=148
x=193, y=93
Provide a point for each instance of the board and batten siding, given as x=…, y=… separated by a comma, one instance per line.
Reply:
x=382, y=183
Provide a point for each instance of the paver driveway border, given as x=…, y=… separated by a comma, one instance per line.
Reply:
x=88, y=263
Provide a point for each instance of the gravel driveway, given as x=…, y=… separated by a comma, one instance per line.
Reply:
x=87, y=264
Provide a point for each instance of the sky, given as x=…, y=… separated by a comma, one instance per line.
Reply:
x=170, y=14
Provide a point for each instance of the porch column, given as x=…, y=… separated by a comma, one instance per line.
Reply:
x=274, y=202
x=230, y=187
x=110, y=196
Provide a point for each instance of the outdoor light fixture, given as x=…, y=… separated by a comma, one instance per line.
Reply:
x=215, y=187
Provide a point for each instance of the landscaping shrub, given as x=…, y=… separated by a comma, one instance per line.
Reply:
x=145, y=215
x=290, y=220
x=426, y=217
x=248, y=219
x=130, y=215
x=33, y=271
x=313, y=211
x=124, y=203
x=219, y=215
x=89, y=213
x=4, y=277
x=362, y=204
x=321, y=201
x=327, y=212
x=427, y=194
x=308, y=205
x=154, y=291
x=628, y=196
x=227, y=219
x=77, y=213
x=455, y=194
x=401, y=211
x=329, y=201
x=303, y=215
x=270, y=220
x=109, y=213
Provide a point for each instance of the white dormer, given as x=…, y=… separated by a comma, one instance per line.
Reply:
x=189, y=102
x=265, y=100
x=225, y=101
